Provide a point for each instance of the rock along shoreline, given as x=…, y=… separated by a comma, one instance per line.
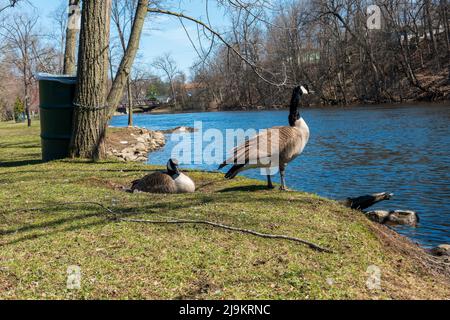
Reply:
x=133, y=143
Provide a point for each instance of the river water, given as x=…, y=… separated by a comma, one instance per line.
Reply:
x=404, y=149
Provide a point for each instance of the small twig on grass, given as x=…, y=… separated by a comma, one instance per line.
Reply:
x=170, y=220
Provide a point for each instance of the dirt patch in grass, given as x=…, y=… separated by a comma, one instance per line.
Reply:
x=199, y=288
x=8, y=280
x=102, y=183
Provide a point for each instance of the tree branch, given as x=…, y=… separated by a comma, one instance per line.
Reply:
x=220, y=37
x=124, y=70
x=114, y=215
x=11, y=4
x=230, y=228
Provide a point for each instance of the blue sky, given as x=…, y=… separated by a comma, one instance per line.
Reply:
x=162, y=33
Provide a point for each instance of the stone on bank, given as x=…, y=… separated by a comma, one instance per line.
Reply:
x=133, y=143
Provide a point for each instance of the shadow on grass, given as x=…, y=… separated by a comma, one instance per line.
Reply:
x=252, y=188
x=67, y=216
x=20, y=163
x=48, y=224
x=24, y=144
x=74, y=221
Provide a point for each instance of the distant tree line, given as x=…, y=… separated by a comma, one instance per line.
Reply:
x=269, y=47
x=27, y=48
x=330, y=46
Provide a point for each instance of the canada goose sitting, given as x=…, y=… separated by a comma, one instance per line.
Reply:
x=260, y=151
x=170, y=181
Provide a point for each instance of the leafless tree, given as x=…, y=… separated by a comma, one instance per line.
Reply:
x=324, y=43
x=328, y=45
x=123, y=16
x=168, y=66
x=26, y=52
x=140, y=80
x=59, y=17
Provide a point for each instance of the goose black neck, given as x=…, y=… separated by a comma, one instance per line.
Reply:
x=171, y=172
x=294, y=114
x=172, y=168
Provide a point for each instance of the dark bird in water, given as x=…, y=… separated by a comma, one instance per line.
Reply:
x=169, y=181
x=366, y=201
x=274, y=147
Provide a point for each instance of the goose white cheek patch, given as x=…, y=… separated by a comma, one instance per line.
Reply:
x=304, y=91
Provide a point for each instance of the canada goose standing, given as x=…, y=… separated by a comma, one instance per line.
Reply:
x=258, y=151
x=170, y=181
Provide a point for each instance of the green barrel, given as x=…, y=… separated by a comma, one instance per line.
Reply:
x=56, y=94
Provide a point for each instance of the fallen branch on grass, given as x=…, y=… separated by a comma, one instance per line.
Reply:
x=114, y=215
x=226, y=227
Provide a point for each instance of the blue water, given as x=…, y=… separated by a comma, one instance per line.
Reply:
x=352, y=151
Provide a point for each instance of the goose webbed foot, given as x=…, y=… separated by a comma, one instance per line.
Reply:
x=284, y=188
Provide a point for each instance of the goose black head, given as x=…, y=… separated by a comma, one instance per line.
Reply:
x=294, y=115
x=172, y=167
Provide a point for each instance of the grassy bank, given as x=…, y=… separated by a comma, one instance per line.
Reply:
x=40, y=237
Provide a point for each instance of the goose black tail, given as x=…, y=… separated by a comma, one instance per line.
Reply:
x=234, y=171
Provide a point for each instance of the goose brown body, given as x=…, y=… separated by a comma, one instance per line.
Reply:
x=170, y=181
x=156, y=182
x=274, y=147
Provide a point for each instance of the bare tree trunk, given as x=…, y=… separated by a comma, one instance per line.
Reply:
x=90, y=116
x=174, y=96
x=110, y=63
x=444, y=13
x=368, y=50
x=130, y=103
x=27, y=105
x=121, y=29
x=71, y=38
x=26, y=86
x=127, y=61
x=429, y=22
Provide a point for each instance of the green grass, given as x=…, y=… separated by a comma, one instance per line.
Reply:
x=40, y=238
